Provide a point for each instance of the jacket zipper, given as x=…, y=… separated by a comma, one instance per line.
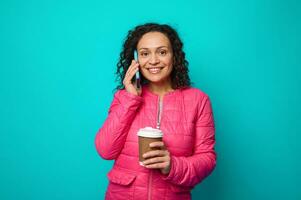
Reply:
x=150, y=185
x=159, y=114
x=160, y=106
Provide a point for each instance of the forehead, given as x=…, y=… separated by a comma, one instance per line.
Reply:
x=153, y=40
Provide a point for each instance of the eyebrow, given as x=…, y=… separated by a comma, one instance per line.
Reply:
x=156, y=47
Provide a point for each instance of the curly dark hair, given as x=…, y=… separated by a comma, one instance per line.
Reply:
x=179, y=74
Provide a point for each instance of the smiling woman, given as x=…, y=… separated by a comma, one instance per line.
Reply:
x=159, y=40
x=155, y=59
x=166, y=103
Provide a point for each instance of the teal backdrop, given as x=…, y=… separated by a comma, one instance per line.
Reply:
x=57, y=64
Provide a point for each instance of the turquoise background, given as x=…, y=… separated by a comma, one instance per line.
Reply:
x=57, y=64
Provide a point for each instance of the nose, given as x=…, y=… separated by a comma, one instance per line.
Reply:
x=154, y=60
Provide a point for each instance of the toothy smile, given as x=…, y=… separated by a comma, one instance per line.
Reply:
x=154, y=70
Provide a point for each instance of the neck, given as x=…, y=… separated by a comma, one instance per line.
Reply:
x=160, y=88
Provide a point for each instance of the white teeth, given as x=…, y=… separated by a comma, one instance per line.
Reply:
x=154, y=70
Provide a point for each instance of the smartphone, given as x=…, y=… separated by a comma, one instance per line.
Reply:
x=137, y=75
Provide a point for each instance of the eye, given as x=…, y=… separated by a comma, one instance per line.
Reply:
x=144, y=54
x=163, y=53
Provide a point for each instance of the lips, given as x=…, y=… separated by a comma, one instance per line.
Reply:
x=154, y=70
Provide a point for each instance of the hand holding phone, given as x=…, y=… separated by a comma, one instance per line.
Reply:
x=131, y=79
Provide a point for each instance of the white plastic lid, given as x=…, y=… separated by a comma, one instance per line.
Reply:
x=150, y=132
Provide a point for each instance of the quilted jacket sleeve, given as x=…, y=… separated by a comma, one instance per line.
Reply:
x=189, y=171
x=111, y=136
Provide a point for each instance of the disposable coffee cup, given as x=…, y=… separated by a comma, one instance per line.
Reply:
x=146, y=136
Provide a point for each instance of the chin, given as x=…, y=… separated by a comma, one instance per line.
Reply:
x=155, y=79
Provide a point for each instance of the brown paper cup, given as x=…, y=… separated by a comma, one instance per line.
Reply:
x=146, y=136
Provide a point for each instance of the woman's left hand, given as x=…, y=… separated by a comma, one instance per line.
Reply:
x=157, y=159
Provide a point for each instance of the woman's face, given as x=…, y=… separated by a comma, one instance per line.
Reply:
x=155, y=57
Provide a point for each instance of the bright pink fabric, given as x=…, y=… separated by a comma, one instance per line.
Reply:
x=188, y=127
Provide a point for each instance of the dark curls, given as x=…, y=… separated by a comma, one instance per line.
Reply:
x=179, y=74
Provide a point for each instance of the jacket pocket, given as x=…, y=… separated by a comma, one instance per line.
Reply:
x=121, y=177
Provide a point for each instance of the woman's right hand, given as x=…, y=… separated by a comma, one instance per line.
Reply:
x=127, y=81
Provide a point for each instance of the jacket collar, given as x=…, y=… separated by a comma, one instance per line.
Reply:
x=148, y=92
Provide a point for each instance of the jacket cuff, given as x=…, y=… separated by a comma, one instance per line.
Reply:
x=171, y=174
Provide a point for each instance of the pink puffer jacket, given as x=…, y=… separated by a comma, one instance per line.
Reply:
x=188, y=127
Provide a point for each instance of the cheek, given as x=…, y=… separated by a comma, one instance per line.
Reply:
x=168, y=61
x=170, y=66
x=142, y=63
